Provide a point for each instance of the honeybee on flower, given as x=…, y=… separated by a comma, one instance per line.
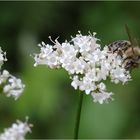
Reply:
x=129, y=52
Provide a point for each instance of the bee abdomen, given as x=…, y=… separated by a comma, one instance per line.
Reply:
x=119, y=45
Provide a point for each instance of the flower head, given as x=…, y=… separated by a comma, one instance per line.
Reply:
x=87, y=64
x=17, y=131
x=13, y=86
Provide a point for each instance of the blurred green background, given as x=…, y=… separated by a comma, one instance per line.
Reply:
x=48, y=99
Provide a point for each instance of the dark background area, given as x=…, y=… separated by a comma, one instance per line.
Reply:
x=48, y=99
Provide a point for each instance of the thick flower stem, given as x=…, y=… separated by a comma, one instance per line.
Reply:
x=78, y=116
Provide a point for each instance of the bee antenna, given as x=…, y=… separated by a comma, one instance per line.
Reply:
x=129, y=34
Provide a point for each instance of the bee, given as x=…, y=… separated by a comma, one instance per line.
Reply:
x=130, y=53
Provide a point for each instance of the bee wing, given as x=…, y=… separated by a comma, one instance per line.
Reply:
x=130, y=37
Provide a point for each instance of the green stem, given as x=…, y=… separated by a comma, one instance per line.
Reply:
x=78, y=116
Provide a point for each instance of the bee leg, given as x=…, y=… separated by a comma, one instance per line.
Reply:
x=120, y=52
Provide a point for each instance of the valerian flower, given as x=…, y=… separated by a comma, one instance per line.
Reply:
x=87, y=64
x=17, y=131
x=13, y=87
x=9, y=84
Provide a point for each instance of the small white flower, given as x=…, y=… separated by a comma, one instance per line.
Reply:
x=45, y=51
x=119, y=74
x=79, y=66
x=4, y=76
x=75, y=83
x=102, y=86
x=85, y=43
x=17, y=131
x=14, y=87
x=101, y=97
x=87, y=85
x=11, y=85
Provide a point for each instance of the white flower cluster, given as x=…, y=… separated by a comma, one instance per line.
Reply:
x=11, y=85
x=87, y=64
x=16, y=132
